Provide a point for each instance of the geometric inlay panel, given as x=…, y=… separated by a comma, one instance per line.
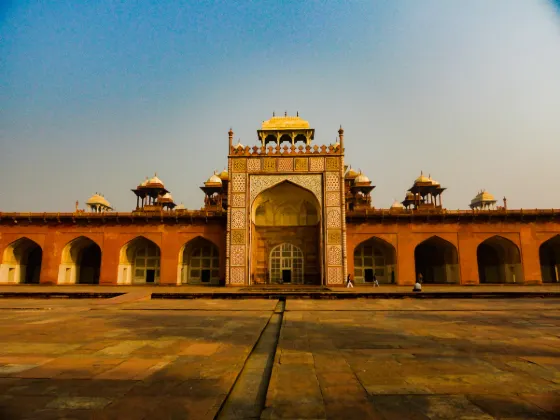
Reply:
x=333, y=181
x=237, y=255
x=253, y=164
x=333, y=164
x=237, y=275
x=238, y=200
x=238, y=218
x=285, y=165
x=238, y=182
x=239, y=165
x=317, y=164
x=269, y=164
x=300, y=164
x=237, y=237
x=334, y=275
x=334, y=255
x=334, y=236
x=333, y=218
x=259, y=183
x=332, y=198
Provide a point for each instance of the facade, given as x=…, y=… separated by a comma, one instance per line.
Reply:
x=286, y=211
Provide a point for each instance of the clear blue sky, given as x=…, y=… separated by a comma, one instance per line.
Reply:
x=95, y=96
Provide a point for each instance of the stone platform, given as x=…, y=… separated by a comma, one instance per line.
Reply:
x=139, y=358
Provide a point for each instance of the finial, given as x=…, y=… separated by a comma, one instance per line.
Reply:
x=297, y=113
x=341, y=130
x=285, y=113
x=273, y=114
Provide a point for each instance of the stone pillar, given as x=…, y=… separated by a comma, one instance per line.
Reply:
x=169, y=259
x=468, y=262
x=530, y=256
x=52, y=252
x=406, y=268
x=110, y=256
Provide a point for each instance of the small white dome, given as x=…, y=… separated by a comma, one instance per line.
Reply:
x=99, y=200
x=155, y=180
x=214, y=179
x=238, y=145
x=362, y=179
x=397, y=205
x=180, y=207
x=167, y=196
x=143, y=184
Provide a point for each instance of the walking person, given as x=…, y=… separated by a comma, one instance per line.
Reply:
x=349, y=282
x=375, y=282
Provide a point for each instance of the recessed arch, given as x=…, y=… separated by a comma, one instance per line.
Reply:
x=21, y=262
x=80, y=262
x=499, y=261
x=375, y=256
x=437, y=261
x=139, y=262
x=549, y=256
x=199, y=262
x=285, y=212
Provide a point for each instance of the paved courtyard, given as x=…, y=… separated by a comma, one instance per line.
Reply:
x=371, y=358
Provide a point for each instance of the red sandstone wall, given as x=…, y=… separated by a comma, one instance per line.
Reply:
x=465, y=237
x=170, y=239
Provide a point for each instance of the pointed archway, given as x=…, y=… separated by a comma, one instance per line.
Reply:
x=139, y=262
x=549, y=255
x=285, y=214
x=199, y=263
x=21, y=262
x=437, y=261
x=375, y=256
x=80, y=262
x=499, y=261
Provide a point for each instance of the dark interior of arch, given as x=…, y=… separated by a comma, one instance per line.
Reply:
x=90, y=264
x=498, y=260
x=549, y=255
x=33, y=269
x=437, y=261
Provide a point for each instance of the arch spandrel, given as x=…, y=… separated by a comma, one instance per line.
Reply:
x=259, y=183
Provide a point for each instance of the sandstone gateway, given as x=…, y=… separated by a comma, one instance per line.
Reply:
x=285, y=211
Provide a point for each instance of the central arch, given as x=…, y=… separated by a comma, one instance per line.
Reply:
x=549, y=255
x=499, y=261
x=286, y=264
x=437, y=260
x=375, y=256
x=139, y=262
x=80, y=262
x=285, y=213
x=199, y=262
x=21, y=262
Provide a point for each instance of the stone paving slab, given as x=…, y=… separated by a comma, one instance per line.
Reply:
x=407, y=359
x=390, y=359
x=107, y=363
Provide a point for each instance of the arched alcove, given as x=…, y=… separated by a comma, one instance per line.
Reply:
x=549, y=255
x=21, y=262
x=199, y=262
x=375, y=256
x=285, y=213
x=139, y=262
x=499, y=261
x=80, y=262
x=437, y=260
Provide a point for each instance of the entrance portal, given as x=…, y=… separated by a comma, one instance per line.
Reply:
x=21, y=262
x=285, y=235
x=286, y=265
x=549, y=254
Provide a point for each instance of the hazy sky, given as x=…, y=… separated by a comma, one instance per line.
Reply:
x=95, y=96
